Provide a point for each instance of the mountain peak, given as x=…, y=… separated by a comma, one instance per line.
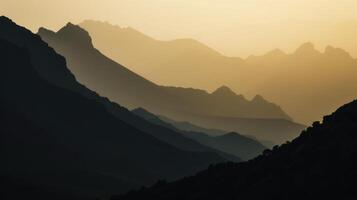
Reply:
x=307, y=48
x=276, y=52
x=224, y=91
x=4, y=18
x=338, y=52
x=76, y=34
x=45, y=31
x=258, y=98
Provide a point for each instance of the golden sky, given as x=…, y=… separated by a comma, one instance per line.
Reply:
x=234, y=27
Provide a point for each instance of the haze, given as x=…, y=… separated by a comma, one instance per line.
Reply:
x=235, y=28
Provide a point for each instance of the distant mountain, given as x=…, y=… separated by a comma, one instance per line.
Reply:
x=319, y=164
x=108, y=78
x=277, y=131
x=231, y=143
x=307, y=78
x=187, y=126
x=164, y=61
x=131, y=90
x=300, y=82
x=61, y=137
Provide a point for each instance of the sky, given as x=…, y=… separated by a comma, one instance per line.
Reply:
x=233, y=27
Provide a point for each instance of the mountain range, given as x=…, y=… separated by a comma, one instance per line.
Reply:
x=66, y=133
x=59, y=137
x=123, y=86
x=319, y=164
x=231, y=143
x=303, y=95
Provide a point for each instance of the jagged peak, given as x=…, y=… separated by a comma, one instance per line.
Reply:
x=75, y=34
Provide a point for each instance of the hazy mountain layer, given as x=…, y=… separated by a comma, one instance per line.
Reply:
x=187, y=126
x=109, y=78
x=319, y=164
x=131, y=90
x=231, y=143
x=307, y=84
x=277, y=131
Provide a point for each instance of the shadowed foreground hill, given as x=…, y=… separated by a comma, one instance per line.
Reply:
x=121, y=85
x=52, y=67
x=319, y=164
x=231, y=143
x=59, y=136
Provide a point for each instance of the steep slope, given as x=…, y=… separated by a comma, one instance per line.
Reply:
x=319, y=164
x=232, y=143
x=76, y=143
x=43, y=56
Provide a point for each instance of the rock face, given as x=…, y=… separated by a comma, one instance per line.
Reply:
x=320, y=163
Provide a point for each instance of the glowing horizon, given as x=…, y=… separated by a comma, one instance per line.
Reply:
x=234, y=28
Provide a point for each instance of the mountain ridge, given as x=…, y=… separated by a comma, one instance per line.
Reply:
x=121, y=85
x=300, y=169
x=231, y=143
x=36, y=85
x=267, y=74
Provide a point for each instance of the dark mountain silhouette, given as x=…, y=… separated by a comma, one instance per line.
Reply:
x=319, y=164
x=121, y=113
x=59, y=134
x=232, y=143
x=131, y=90
x=288, y=79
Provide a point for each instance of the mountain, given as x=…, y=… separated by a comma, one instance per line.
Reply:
x=163, y=61
x=277, y=131
x=317, y=76
x=300, y=82
x=231, y=143
x=320, y=163
x=121, y=85
x=187, y=126
x=108, y=78
x=61, y=137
